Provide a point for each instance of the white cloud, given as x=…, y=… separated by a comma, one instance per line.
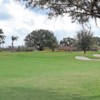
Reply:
x=23, y=21
x=1, y=2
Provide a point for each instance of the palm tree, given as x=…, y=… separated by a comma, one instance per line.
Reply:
x=2, y=43
x=2, y=37
x=13, y=38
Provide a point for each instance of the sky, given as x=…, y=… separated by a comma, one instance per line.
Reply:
x=16, y=20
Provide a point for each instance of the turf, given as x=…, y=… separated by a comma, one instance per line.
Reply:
x=48, y=76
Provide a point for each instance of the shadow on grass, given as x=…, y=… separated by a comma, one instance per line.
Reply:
x=21, y=93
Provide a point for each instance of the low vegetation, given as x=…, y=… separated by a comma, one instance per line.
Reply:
x=48, y=76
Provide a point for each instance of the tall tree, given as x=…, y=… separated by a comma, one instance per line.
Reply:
x=96, y=43
x=41, y=39
x=68, y=41
x=84, y=40
x=80, y=10
x=13, y=38
x=2, y=37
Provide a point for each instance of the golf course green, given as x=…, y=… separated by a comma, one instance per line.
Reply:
x=48, y=76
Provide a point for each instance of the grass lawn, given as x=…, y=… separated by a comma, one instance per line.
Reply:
x=48, y=76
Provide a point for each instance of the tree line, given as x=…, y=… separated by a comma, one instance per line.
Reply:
x=45, y=39
x=79, y=10
x=2, y=39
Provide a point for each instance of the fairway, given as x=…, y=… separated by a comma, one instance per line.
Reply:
x=48, y=76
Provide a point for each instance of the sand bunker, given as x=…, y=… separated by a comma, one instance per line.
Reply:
x=96, y=55
x=86, y=58
x=82, y=58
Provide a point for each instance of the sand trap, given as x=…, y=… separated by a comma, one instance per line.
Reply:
x=96, y=55
x=86, y=58
x=82, y=58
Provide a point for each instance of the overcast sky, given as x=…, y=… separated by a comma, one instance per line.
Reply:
x=19, y=21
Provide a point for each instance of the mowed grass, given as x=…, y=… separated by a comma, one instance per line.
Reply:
x=48, y=76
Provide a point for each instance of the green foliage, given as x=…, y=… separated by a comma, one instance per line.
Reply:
x=41, y=39
x=84, y=40
x=78, y=10
x=2, y=38
x=13, y=38
x=96, y=43
x=68, y=41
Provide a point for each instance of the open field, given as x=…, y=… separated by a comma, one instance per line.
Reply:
x=48, y=76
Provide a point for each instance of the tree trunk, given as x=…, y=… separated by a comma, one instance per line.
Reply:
x=0, y=47
x=12, y=46
x=52, y=48
x=84, y=51
x=41, y=48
